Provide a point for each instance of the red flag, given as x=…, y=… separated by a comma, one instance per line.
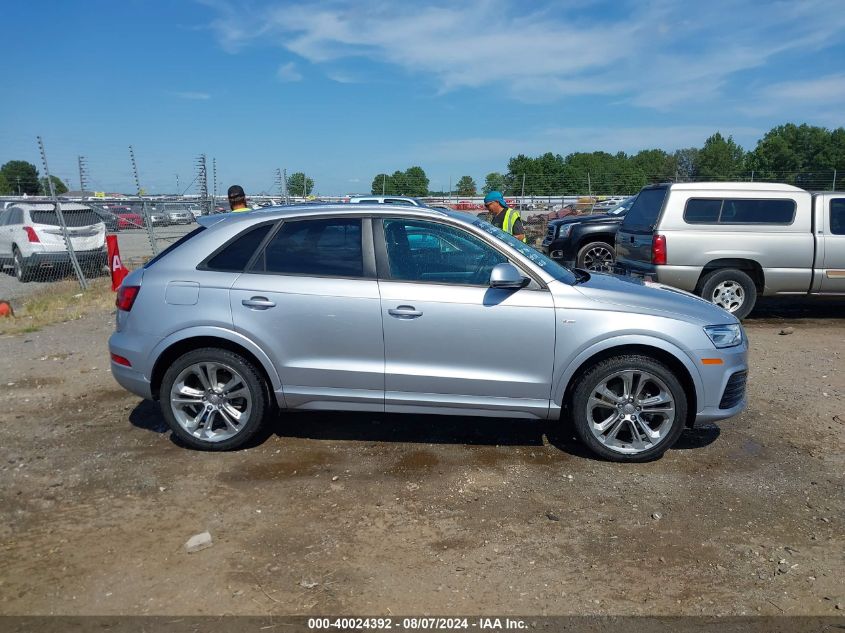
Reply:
x=116, y=267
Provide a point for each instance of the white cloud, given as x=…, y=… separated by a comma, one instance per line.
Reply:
x=195, y=96
x=655, y=54
x=288, y=72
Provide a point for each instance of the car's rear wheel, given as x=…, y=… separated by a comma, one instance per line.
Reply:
x=731, y=290
x=629, y=408
x=598, y=256
x=22, y=271
x=214, y=399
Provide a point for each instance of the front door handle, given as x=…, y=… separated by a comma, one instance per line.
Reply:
x=259, y=303
x=405, y=312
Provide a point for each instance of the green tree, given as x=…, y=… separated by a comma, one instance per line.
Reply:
x=382, y=185
x=686, y=164
x=416, y=182
x=494, y=181
x=466, y=186
x=804, y=155
x=655, y=164
x=58, y=185
x=720, y=159
x=397, y=185
x=21, y=176
x=4, y=186
x=299, y=184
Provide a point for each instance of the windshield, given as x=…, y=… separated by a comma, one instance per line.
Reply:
x=550, y=266
x=622, y=207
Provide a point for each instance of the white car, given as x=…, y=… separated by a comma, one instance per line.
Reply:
x=31, y=238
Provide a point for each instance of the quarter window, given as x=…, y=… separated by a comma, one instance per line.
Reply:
x=330, y=247
x=236, y=255
x=438, y=253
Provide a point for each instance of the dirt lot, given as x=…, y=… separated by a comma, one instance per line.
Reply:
x=363, y=514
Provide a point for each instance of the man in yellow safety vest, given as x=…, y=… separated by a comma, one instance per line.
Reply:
x=504, y=217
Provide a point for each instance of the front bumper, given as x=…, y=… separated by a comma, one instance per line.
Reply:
x=723, y=386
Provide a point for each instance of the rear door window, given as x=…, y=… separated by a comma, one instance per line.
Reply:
x=837, y=216
x=321, y=247
x=645, y=210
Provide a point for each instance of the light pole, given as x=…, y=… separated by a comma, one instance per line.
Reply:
x=177, y=184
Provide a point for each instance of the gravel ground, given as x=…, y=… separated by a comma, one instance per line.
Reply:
x=365, y=514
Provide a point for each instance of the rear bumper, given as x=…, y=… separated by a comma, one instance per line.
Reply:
x=132, y=378
x=46, y=260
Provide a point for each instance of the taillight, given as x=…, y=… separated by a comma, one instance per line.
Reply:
x=120, y=360
x=658, y=250
x=31, y=235
x=126, y=296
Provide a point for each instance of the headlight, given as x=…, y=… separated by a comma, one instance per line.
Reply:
x=564, y=230
x=725, y=335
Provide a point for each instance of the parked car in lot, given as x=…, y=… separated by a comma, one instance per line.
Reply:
x=109, y=219
x=130, y=220
x=404, y=309
x=586, y=241
x=403, y=200
x=31, y=238
x=159, y=219
x=731, y=242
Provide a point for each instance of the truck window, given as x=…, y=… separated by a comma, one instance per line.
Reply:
x=743, y=211
x=837, y=216
x=646, y=208
x=702, y=211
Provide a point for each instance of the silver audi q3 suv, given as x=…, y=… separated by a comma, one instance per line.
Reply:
x=414, y=310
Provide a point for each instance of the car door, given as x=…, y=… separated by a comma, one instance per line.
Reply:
x=452, y=344
x=311, y=301
x=833, y=279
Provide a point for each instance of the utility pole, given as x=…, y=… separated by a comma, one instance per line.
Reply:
x=833, y=184
x=83, y=176
x=279, y=183
x=285, y=181
x=304, y=186
x=202, y=181
x=383, y=183
x=522, y=197
x=214, y=189
x=150, y=234
x=177, y=184
x=61, y=216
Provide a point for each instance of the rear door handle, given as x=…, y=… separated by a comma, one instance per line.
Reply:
x=405, y=312
x=259, y=303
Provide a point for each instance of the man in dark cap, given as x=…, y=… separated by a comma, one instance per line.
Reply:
x=504, y=217
x=237, y=199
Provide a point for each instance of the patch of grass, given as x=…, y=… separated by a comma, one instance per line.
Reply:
x=59, y=302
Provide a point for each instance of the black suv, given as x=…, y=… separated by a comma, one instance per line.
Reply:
x=586, y=241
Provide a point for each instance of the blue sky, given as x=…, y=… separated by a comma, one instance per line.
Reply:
x=344, y=90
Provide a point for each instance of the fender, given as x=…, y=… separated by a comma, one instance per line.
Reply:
x=221, y=333
x=618, y=341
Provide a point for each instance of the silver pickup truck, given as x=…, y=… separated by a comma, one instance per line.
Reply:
x=732, y=242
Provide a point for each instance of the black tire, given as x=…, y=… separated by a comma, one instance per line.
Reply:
x=23, y=273
x=730, y=289
x=595, y=253
x=253, y=381
x=605, y=373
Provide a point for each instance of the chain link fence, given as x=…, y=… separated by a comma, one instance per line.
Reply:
x=42, y=241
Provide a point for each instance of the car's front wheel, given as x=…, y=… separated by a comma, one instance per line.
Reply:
x=629, y=408
x=597, y=256
x=214, y=399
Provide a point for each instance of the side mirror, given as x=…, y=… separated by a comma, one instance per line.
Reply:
x=507, y=276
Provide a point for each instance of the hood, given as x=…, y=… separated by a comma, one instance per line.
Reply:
x=588, y=219
x=652, y=298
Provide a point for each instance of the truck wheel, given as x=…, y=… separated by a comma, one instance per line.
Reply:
x=730, y=289
x=629, y=408
x=598, y=256
x=214, y=399
x=22, y=271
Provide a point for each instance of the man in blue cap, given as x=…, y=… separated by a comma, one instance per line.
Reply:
x=504, y=217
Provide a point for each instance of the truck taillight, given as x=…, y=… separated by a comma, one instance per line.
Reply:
x=126, y=296
x=658, y=250
x=31, y=235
